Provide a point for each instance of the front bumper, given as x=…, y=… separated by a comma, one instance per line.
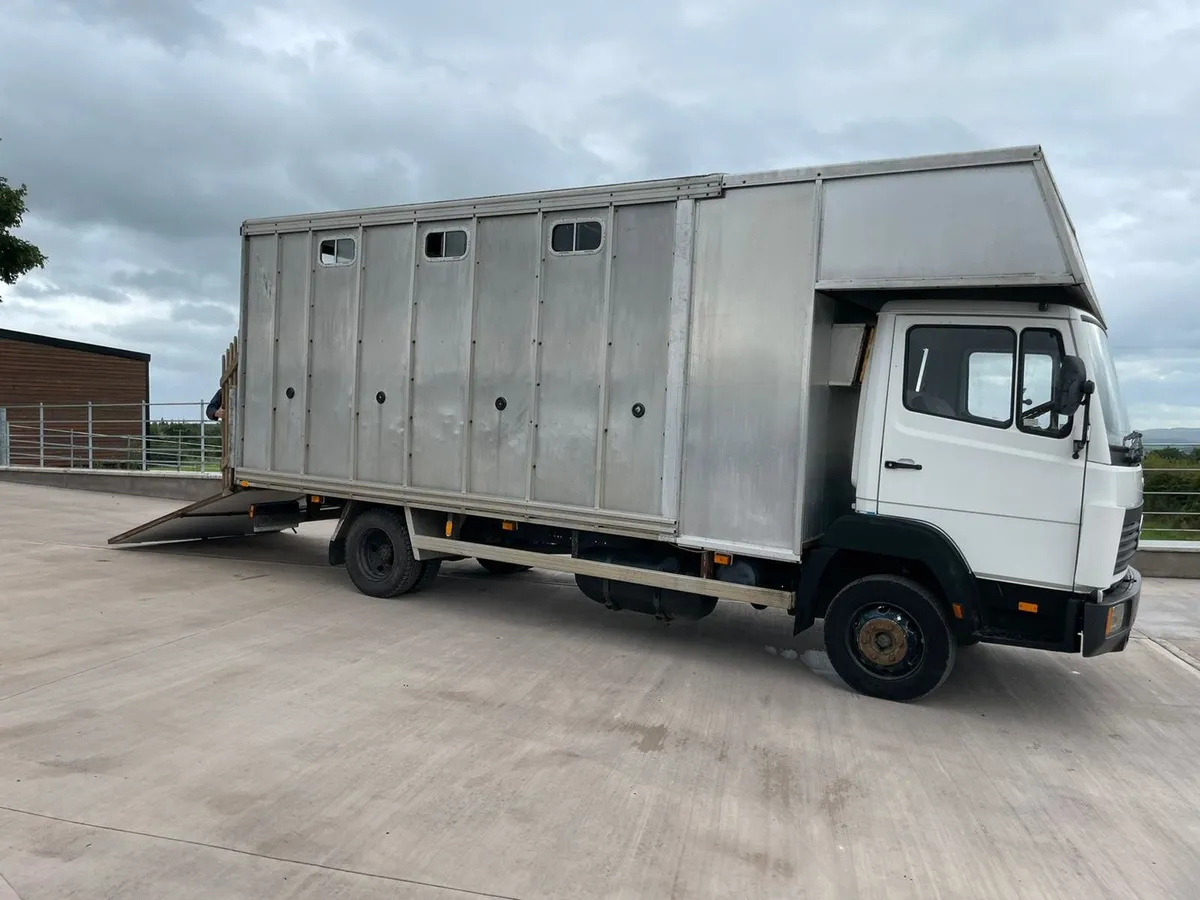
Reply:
x=1108, y=616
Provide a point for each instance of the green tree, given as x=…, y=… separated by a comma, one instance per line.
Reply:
x=17, y=256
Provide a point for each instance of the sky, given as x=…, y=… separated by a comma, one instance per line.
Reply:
x=148, y=130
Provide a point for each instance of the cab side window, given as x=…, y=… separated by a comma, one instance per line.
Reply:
x=1041, y=362
x=962, y=372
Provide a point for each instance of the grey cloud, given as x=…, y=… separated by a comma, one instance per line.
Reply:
x=168, y=284
x=72, y=282
x=221, y=316
x=175, y=24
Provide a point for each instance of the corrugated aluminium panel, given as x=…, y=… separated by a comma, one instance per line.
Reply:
x=572, y=332
x=333, y=353
x=441, y=352
x=291, y=352
x=256, y=361
x=643, y=245
x=939, y=226
x=751, y=327
x=382, y=353
x=507, y=256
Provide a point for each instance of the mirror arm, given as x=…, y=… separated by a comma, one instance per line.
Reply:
x=1088, y=388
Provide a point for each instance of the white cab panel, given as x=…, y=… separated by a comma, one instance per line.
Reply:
x=1008, y=498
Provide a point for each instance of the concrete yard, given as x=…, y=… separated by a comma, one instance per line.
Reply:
x=232, y=720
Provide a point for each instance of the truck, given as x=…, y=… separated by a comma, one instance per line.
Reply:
x=875, y=394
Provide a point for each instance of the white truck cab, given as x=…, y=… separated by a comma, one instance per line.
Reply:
x=957, y=428
x=1000, y=425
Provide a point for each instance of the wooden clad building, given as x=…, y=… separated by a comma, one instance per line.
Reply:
x=52, y=390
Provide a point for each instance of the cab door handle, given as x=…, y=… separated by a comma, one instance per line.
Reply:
x=900, y=464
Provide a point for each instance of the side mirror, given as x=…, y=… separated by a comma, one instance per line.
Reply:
x=1073, y=386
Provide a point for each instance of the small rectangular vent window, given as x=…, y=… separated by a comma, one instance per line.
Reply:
x=446, y=244
x=337, y=251
x=577, y=237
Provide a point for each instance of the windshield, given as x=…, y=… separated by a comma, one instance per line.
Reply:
x=1094, y=347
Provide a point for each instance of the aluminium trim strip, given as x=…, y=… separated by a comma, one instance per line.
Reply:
x=577, y=198
x=722, y=590
x=898, y=166
x=862, y=284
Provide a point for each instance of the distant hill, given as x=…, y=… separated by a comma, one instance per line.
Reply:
x=1182, y=438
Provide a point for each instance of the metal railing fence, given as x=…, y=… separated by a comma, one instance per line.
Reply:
x=1171, y=490
x=134, y=436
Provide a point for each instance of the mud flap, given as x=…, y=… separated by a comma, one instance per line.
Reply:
x=227, y=514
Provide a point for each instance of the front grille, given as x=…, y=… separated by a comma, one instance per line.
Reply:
x=1130, y=531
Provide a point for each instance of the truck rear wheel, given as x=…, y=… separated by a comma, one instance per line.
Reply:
x=379, y=554
x=888, y=637
x=496, y=567
x=429, y=571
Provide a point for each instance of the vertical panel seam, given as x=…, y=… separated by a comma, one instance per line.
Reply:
x=803, y=419
x=236, y=451
x=469, y=412
x=410, y=357
x=310, y=304
x=356, y=349
x=606, y=356
x=678, y=353
x=536, y=351
x=271, y=400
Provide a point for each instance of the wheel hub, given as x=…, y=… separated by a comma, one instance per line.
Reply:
x=886, y=641
x=883, y=642
x=378, y=553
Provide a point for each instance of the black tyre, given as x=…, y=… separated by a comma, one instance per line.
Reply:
x=888, y=637
x=379, y=554
x=969, y=641
x=429, y=571
x=502, y=568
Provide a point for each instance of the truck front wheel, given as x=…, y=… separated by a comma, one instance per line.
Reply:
x=888, y=637
x=379, y=554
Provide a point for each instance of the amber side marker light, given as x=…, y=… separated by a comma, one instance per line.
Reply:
x=1027, y=607
x=958, y=610
x=509, y=526
x=1115, y=620
x=722, y=559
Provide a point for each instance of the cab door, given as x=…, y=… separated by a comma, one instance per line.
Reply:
x=969, y=447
